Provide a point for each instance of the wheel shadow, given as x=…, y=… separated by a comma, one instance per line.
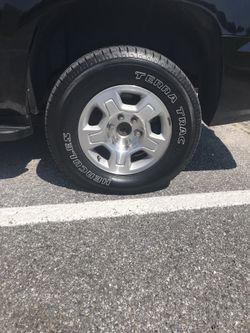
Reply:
x=211, y=154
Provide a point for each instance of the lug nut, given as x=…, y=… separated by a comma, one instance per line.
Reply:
x=138, y=133
x=111, y=126
x=120, y=117
x=133, y=120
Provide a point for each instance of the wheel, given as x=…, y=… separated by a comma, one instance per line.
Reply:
x=123, y=120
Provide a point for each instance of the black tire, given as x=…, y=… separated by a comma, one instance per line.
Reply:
x=100, y=70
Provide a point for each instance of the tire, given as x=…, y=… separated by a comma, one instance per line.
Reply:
x=152, y=89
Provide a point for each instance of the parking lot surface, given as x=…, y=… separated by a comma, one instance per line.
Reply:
x=168, y=271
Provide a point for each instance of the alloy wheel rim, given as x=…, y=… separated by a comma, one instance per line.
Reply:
x=125, y=129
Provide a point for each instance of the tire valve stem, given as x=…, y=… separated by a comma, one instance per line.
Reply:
x=99, y=158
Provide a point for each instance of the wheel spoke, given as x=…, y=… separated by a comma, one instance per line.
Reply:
x=112, y=108
x=119, y=161
x=109, y=102
x=148, y=112
x=94, y=136
x=97, y=138
x=151, y=143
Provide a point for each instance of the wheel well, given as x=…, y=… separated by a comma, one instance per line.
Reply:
x=184, y=33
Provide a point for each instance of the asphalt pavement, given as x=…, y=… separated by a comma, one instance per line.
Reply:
x=182, y=271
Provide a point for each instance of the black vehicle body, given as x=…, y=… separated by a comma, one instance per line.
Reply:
x=208, y=39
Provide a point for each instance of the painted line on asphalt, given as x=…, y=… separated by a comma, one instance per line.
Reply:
x=11, y=217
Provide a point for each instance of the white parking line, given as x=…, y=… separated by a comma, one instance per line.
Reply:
x=11, y=217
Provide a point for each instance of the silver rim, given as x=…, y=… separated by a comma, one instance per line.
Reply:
x=125, y=129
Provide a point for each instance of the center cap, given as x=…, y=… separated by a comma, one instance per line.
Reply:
x=124, y=129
